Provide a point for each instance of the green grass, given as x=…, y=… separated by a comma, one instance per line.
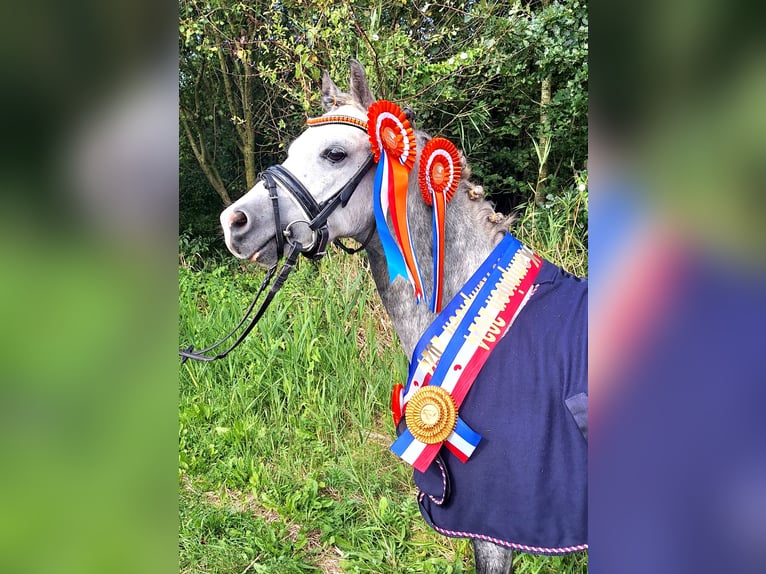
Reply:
x=558, y=230
x=283, y=446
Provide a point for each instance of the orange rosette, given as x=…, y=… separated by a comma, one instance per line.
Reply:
x=439, y=169
x=394, y=148
x=438, y=178
x=390, y=131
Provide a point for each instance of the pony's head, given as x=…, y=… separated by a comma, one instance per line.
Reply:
x=329, y=163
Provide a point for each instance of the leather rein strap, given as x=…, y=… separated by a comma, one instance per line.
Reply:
x=317, y=215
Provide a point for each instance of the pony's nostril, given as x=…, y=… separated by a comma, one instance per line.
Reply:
x=238, y=219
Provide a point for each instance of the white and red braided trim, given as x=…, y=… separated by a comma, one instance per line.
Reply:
x=514, y=545
x=498, y=541
x=437, y=501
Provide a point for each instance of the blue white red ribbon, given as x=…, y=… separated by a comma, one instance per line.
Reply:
x=456, y=345
x=394, y=258
x=393, y=146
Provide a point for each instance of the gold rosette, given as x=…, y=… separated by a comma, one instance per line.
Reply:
x=431, y=415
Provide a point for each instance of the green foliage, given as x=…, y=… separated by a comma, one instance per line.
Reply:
x=471, y=70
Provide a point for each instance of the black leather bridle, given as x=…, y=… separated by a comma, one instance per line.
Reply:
x=317, y=215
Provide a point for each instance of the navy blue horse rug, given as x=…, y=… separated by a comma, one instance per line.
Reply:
x=525, y=485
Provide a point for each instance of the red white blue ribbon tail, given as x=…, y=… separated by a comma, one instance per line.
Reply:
x=412, y=451
x=400, y=187
x=439, y=210
x=463, y=441
x=396, y=265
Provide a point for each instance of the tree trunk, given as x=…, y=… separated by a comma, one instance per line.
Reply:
x=248, y=143
x=245, y=130
x=208, y=168
x=544, y=139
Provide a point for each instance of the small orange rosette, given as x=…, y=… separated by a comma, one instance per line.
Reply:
x=438, y=177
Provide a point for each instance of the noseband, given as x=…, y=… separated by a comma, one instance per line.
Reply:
x=317, y=215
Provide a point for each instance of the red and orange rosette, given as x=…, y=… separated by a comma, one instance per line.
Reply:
x=394, y=148
x=440, y=169
x=390, y=131
x=438, y=176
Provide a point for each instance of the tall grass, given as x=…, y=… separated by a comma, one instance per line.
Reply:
x=283, y=460
x=558, y=229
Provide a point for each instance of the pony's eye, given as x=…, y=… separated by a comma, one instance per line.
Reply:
x=335, y=154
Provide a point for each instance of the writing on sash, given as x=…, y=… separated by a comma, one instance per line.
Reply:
x=435, y=347
x=488, y=325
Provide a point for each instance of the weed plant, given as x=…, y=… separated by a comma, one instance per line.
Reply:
x=283, y=446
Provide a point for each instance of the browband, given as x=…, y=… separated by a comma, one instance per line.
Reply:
x=338, y=119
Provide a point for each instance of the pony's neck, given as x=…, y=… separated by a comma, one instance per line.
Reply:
x=469, y=239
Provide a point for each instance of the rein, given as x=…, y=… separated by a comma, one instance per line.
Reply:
x=317, y=215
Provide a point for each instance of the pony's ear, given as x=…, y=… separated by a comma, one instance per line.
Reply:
x=360, y=91
x=409, y=113
x=332, y=97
